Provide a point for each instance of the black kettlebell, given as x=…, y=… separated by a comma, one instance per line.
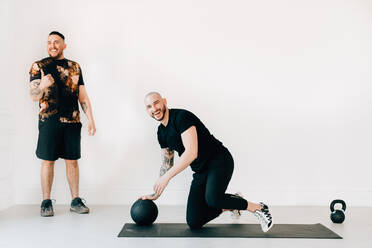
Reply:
x=338, y=215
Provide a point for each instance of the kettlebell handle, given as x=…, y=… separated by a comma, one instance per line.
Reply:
x=334, y=202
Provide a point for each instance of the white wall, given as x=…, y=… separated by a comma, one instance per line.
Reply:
x=286, y=85
x=6, y=158
x=6, y=113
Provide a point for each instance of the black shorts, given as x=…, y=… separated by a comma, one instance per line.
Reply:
x=58, y=140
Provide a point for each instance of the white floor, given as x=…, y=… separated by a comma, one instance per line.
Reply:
x=21, y=226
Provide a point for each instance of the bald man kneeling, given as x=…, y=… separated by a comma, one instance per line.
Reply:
x=181, y=131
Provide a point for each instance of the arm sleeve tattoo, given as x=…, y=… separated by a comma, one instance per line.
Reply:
x=35, y=92
x=167, y=163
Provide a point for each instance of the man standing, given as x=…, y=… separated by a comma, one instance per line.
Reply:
x=181, y=131
x=57, y=83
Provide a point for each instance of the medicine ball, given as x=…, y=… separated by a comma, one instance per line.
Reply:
x=144, y=212
x=338, y=215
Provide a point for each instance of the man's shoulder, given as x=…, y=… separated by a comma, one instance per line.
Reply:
x=38, y=65
x=181, y=113
x=177, y=111
x=44, y=61
x=72, y=63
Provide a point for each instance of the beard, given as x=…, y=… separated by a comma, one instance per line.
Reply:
x=162, y=110
x=59, y=54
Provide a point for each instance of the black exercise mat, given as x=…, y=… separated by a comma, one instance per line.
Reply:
x=174, y=230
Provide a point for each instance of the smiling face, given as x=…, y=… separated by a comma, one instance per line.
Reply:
x=156, y=106
x=55, y=46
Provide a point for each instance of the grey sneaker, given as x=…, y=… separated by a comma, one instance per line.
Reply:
x=46, y=209
x=235, y=214
x=78, y=206
x=264, y=217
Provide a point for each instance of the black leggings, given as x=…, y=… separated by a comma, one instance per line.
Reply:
x=207, y=195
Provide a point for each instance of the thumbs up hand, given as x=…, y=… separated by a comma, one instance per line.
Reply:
x=46, y=80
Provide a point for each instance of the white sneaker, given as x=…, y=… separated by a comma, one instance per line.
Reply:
x=235, y=214
x=264, y=217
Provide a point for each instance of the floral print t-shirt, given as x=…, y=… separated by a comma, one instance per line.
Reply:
x=60, y=100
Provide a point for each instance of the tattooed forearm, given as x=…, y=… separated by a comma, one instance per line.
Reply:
x=163, y=170
x=35, y=83
x=35, y=92
x=168, y=159
x=84, y=105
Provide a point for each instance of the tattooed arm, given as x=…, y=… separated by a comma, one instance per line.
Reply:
x=167, y=163
x=190, y=142
x=87, y=108
x=35, y=92
x=167, y=170
x=38, y=86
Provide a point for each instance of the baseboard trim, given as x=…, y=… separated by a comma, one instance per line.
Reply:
x=179, y=197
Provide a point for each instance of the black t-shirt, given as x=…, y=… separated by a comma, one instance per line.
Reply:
x=61, y=98
x=170, y=137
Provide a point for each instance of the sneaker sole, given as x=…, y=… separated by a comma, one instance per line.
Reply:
x=272, y=224
x=47, y=215
x=79, y=212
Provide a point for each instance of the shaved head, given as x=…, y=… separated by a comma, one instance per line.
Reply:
x=156, y=105
x=153, y=93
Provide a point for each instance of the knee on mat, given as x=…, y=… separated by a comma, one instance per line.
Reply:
x=193, y=223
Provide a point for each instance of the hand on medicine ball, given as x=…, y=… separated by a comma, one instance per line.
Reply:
x=151, y=197
x=160, y=184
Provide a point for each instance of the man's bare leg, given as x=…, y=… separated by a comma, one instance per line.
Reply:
x=47, y=174
x=72, y=174
x=253, y=207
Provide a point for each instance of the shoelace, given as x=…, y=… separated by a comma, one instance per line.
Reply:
x=266, y=213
